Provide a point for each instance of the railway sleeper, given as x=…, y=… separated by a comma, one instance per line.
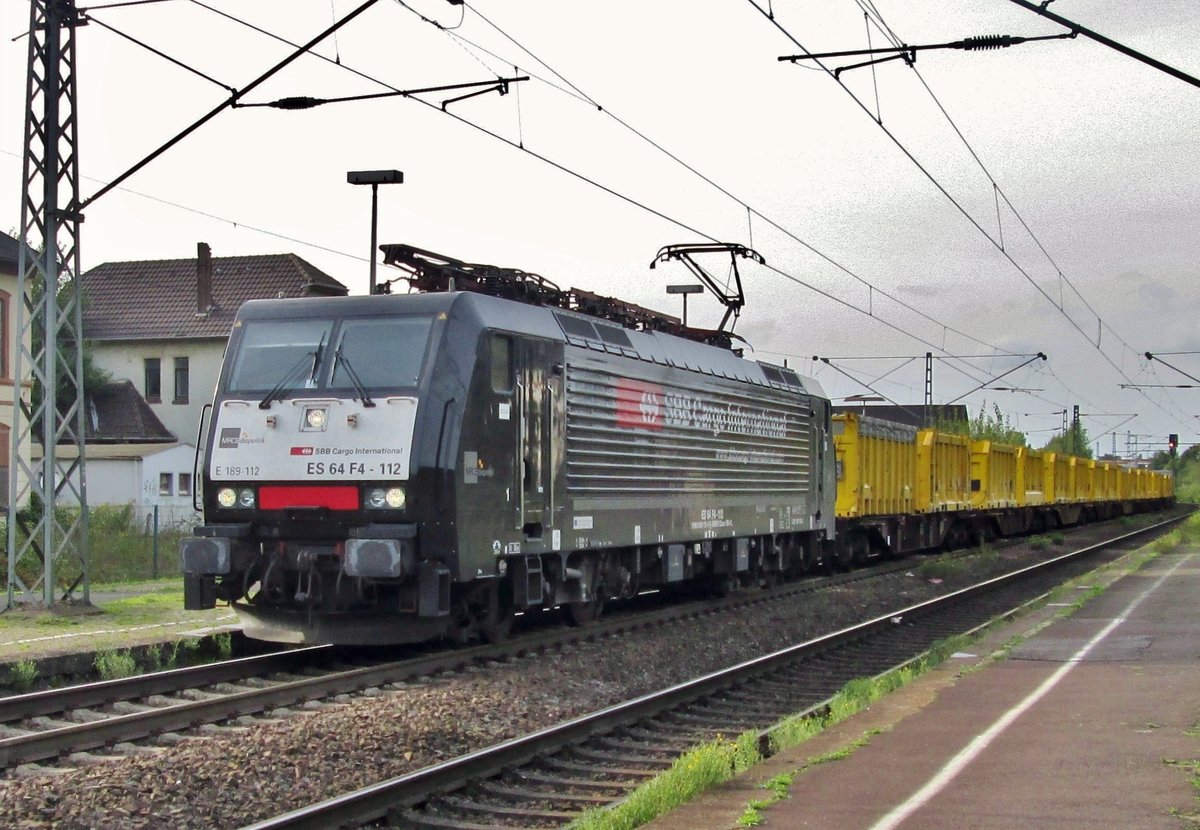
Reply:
x=542, y=779
x=660, y=738
x=749, y=706
x=417, y=820
x=625, y=773
x=463, y=804
x=520, y=795
x=622, y=760
x=627, y=745
x=722, y=725
x=45, y=724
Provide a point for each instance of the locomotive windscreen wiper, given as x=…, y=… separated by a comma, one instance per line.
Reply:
x=316, y=364
x=293, y=375
x=340, y=359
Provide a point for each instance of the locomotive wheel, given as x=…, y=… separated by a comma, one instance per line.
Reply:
x=583, y=613
x=843, y=556
x=496, y=617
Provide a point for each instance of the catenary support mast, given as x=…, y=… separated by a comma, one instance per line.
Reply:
x=48, y=544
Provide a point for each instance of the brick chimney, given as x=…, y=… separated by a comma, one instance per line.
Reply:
x=203, y=279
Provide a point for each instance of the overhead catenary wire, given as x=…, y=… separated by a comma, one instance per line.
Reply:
x=999, y=192
x=955, y=202
x=601, y=186
x=579, y=93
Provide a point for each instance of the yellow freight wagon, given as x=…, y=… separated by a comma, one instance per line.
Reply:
x=1124, y=483
x=943, y=470
x=993, y=475
x=1057, y=476
x=1072, y=493
x=876, y=466
x=1031, y=490
x=1110, y=489
x=1086, y=470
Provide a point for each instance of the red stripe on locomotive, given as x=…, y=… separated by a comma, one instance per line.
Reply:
x=281, y=498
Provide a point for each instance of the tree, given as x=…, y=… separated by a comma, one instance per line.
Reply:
x=93, y=375
x=995, y=426
x=1074, y=441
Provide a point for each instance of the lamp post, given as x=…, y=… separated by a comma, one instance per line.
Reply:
x=685, y=290
x=374, y=178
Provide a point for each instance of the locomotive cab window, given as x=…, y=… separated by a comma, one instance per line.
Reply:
x=501, y=363
x=274, y=352
x=381, y=353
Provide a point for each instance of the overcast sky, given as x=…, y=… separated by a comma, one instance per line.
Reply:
x=1095, y=151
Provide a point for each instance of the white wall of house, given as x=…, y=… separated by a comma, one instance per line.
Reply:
x=144, y=475
x=126, y=361
x=166, y=481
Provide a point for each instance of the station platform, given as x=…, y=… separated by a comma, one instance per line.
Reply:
x=1090, y=722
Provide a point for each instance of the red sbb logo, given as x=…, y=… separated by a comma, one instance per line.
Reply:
x=302, y=450
x=639, y=404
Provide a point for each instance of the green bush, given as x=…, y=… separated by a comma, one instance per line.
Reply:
x=119, y=549
x=22, y=675
x=111, y=665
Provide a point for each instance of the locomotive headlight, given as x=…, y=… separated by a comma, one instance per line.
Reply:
x=391, y=498
x=315, y=418
x=245, y=497
x=227, y=497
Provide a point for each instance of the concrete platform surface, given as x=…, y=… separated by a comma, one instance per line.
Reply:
x=1077, y=728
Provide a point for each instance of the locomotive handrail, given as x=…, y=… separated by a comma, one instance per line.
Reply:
x=197, y=479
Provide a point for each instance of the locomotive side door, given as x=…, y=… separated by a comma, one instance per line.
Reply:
x=536, y=397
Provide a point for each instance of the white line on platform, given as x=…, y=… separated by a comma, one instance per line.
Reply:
x=95, y=632
x=972, y=750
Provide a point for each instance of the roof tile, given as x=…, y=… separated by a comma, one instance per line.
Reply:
x=156, y=299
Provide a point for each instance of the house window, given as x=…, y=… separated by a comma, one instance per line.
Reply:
x=185, y=484
x=181, y=380
x=153, y=388
x=5, y=333
x=166, y=483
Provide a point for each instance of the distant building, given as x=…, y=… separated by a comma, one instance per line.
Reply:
x=911, y=414
x=11, y=389
x=163, y=324
x=132, y=458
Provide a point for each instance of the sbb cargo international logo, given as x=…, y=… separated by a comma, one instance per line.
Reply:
x=302, y=450
x=639, y=404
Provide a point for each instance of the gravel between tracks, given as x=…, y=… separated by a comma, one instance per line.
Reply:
x=235, y=777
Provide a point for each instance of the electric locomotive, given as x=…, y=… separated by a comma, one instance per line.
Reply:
x=398, y=468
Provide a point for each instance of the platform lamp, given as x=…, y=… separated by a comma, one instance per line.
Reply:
x=374, y=178
x=685, y=290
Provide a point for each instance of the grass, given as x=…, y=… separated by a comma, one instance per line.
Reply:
x=940, y=568
x=691, y=774
x=113, y=665
x=22, y=675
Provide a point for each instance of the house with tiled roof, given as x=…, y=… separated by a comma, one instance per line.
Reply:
x=163, y=324
x=11, y=389
x=132, y=459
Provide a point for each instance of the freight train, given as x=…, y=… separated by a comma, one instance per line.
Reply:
x=400, y=468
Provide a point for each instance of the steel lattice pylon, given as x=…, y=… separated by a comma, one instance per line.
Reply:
x=48, y=544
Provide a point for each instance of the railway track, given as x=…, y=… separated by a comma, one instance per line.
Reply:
x=547, y=778
x=91, y=722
